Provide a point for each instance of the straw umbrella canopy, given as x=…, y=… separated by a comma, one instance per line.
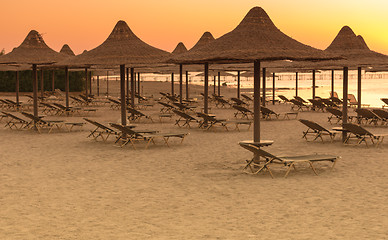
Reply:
x=33, y=50
x=67, y=50
x=120, y=48
x=205, y=39
x=255, y=39
x=180, y=48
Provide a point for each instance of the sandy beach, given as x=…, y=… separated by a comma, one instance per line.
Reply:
x=64, y=185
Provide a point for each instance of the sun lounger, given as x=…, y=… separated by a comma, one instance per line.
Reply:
x=284, y=99
x=50, y=109
x=136, y=115
x=243, y=111
x=329, y=103
x=247, y=97
x=366, y=116
x=385, y=100
x=268, y=114
x=317, y=104
x=15, y=122
x=220, y=102
x=114, y=104
x=183, y=107
x=166, y=108
x=184, y=117
x=148, y=136
x=300, y=99
x=100, y=130
x=335, y=114
x=382, y=114
x=239, y=102
x=361, y=134
x=40, y=124
x=210, y=121
x=299, y=105
x=288, y=161
x=317, y=130
x=353, y=101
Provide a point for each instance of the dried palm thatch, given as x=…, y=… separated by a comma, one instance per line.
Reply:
x=121, y=47
x=255, y=38
x=33, y=50
x=180, y=48
x=205, y=39
x=67, y=50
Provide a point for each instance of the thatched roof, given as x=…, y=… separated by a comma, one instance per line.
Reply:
x=121, y=47
x=33, y=50
x=206, y=38
x=256, y=37
x=180, y=48
x=354, y=49
x=67, y=50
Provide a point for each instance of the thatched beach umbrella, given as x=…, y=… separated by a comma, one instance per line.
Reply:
x=33, y=50
x=179, y=49
x=120, y=48
x=67, y=50
x=255, y=39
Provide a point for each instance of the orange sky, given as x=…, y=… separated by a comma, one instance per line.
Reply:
x=85, y=24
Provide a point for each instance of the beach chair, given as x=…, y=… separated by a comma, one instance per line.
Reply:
x=136, y=115
x=246, y=97
x=100, y=130
x=333, y=94
x=336, y=114
x=114, y=104
x=209, y=121
x=148, y=136
x=15, y=122
x=317, y=130
x=329, y=103
x=385, y=100
x=221, y=102
x=184, y=117
x=268, y=113
x=284, y=99
x=361, y=134
x=382, y=114
x=68, y=110
x=300, y=99
x=50, y=109
x=367, y=116
x=336, y=100
x=317, y=104
x=40, y=124
x=183, y=107
x=166, y=108
x=353, y=101
x=299, y=105
x=288, y=161
x=243, y=111
x=78, y=101
x=239, y=102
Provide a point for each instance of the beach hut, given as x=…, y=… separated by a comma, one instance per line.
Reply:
x=121, y=48
x=34, y=51
x=254, y=40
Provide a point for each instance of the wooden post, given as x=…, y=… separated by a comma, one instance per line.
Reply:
x=107, y=83
x=17, y=89
x=256, y=103
x=238, y=84
x=90, y=83
x=187, y=85
x=122, y=96
x=138, y=84
x=296, y=84
x=313, y=84
x=132, y=87
x=172, y=84
x=345, y=100
x=215, y=84
x=98, y=85
x=219, y=84
x=180, y=82
x=273, y=88
x=127, y=87
x=359, y=87
x=67, y=87
x=53, y=81
x=332, y=83
x=264, y=87
x=206, y=89
x=41, y=83
x=35, y=88
x=86, y=82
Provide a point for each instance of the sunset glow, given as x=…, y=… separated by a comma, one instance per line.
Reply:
x=163, y=24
